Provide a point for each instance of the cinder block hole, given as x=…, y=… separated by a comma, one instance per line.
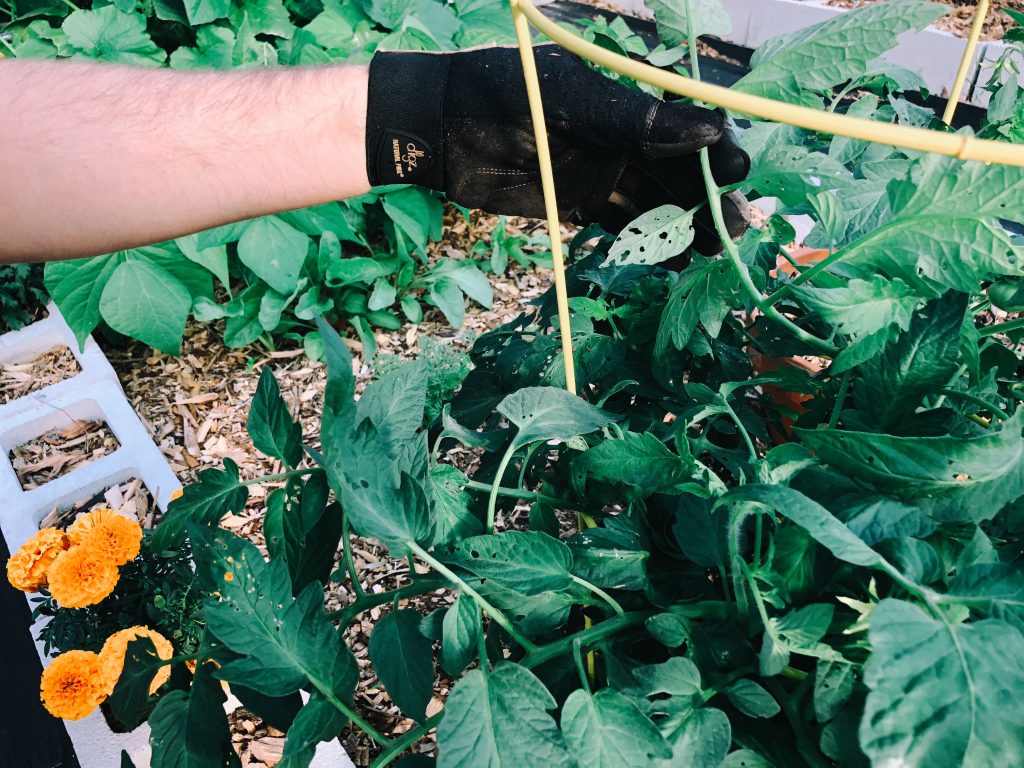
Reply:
x=24, y=376
x=130, y=498
x=60, y=450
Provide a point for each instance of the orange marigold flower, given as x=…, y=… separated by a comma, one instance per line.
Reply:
x=116, y=646
x=107, y=531
x=26, y=569
x=81, y=576
x=73, y=685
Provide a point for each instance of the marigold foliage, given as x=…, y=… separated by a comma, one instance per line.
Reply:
x=73, y=685
x=107, y=531
x=114, y=649
x=26, y=569
x=81, y=576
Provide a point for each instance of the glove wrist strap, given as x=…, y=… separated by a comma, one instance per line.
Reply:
x=404, y=129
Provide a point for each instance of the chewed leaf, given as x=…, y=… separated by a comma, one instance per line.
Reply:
x=547, y=413
x=655, y=236
x=526, y=561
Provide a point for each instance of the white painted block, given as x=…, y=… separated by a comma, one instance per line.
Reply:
x=93, y=394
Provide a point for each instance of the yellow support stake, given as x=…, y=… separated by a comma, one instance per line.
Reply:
x=547, y=179
x=906, y=137
x=965, y=62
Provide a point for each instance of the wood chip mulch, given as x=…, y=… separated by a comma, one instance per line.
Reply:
x=59, y=451
x=23, y=377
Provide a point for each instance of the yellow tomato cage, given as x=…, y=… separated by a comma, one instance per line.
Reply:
x=524, y=13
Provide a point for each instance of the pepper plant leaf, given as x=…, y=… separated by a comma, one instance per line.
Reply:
x=271, y=427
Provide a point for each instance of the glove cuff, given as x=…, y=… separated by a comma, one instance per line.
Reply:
x=404, y=128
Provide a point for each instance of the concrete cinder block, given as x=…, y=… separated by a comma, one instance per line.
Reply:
x=93, y=394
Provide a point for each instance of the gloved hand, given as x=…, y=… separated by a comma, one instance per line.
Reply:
x=460, y=123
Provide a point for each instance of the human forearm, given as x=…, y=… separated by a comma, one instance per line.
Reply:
x=98, y=158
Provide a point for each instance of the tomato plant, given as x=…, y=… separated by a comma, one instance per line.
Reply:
x=707, y=575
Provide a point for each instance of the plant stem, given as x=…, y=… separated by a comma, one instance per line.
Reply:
x=577, y=656
x=994, y=409
x=373, y=599
x=492, y=502
x=515, y=493
x=732, y=252
x=844, y=387
x=526, y=463
x=279, y=476
x=545, y=653
x=497, y=616
x=1009, y=325
x=348, y=712
x=406, y=740
x=600, y=593
x=350, y=565
x=742, y=430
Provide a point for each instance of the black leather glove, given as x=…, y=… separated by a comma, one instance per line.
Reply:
x=460, y=123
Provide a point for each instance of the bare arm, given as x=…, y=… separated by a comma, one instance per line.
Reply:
x=97, y=158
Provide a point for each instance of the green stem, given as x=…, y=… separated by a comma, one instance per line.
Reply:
x=492, y=502
x=952, y=380
x=348, y=712
x=515, y=493
x=350, y=564
x=406, y=740
x=844, y=387
x=9, y=47
x=279, y=476
x=742, y=430
x=978, y=401
x=481, y=642
x=1009, y=325
x=497, y=616
x=371, y=600
x=545, y=653
x=733, y=254
x=600, y=593
x=577, y=655
x=526, y=463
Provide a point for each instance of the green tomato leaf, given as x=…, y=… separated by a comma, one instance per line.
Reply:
x=402, y=657
x=317, y=721
x=216, y=493
x=275, y=251
x=819, y=57
x=833, y=685
x=499, y=719
x=550, y=413
x=273, y=430
x=751, y=699
x=146, y=302
x=653, y=237
x=450, y=504
x=131, y=692
x=460, y=632
x=189, y=728
x=205, y=11
x=861, y=307
x=826, y=529
x=607, y=730
x=919, y=363
x=284, y=643
x=703, y=739
x=703, y=295
x=954, y=478
x=942, y=694
x=639, y=461
x=529, y=562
